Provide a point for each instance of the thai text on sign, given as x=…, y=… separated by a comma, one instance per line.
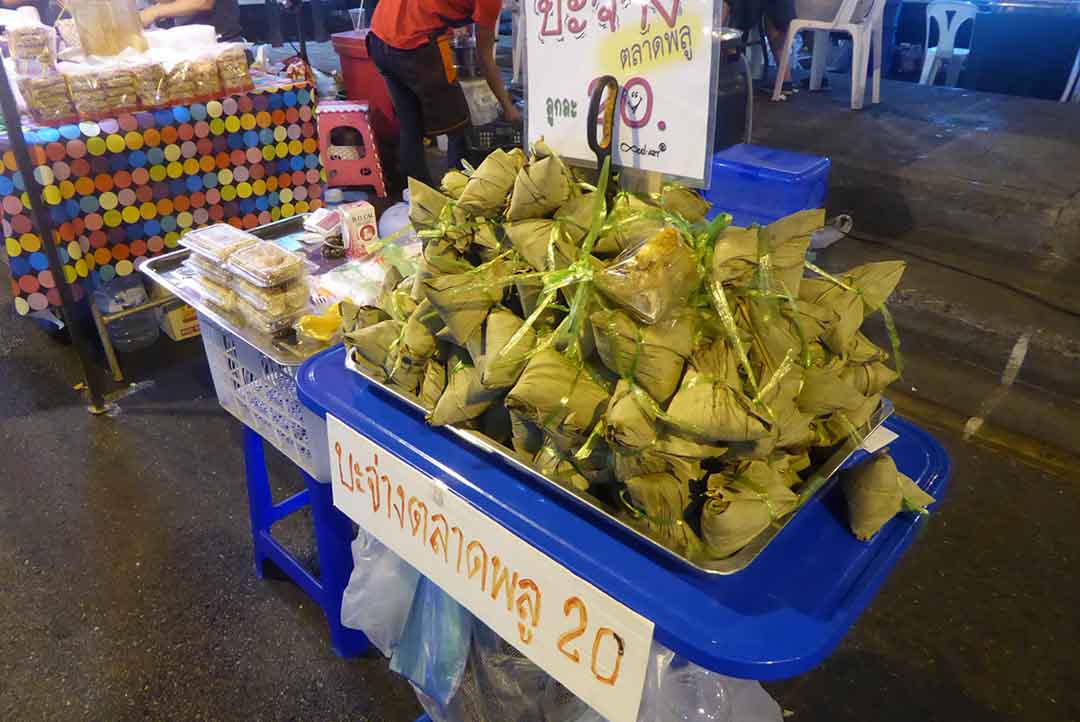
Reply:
x=660, y=51
x=593, y=645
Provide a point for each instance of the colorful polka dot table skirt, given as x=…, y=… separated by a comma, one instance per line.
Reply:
x=123, y=189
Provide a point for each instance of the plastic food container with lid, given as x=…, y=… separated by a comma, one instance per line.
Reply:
x=221, y=296
x=265, y=323
x=216, y=243
x=282, y=300
x=208, y=269
x=266, y=264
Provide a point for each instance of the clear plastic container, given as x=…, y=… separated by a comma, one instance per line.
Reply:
x=217, y=294
x=265, y=323
x=217, y=242
x=108, y=27
x=266, y=264
x=208, y=269
x=280, y=300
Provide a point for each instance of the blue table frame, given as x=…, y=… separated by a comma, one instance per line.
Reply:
x=777, y=619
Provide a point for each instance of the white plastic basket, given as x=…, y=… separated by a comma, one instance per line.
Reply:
x=261, y=394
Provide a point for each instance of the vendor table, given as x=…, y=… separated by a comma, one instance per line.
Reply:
x=124, y=189
x=778, y=618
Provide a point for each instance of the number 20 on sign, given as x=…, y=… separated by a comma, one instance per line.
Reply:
x=595, y=646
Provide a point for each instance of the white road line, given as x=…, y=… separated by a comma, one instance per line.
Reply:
x=1008, y=376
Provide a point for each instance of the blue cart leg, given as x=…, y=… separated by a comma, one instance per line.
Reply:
x=260, y=502
x=333, y=535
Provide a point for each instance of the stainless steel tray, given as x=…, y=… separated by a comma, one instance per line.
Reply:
x=167, y=270
x=824, y=476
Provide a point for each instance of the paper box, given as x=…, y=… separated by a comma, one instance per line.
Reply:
x=180, y=323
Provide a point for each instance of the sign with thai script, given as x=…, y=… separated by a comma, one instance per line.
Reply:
x=660, y=51
x=593, y=645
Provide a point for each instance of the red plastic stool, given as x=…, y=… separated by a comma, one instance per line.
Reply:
x=349, y=165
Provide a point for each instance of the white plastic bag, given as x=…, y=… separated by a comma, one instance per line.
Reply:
x=380, y=593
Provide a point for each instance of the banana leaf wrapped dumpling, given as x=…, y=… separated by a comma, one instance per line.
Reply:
x=557, y=395
x=844, y=307
x=660, y=501
x=787, y=240
x=876, y=282
x=869, y=379
x=543, y=243
x=432, y=385
x=687, y=203
x=502, y=365
x=374, y=344
x=463, y=300
x=484, y=196
x=453, y=183
x=627, y=422
x=425, y=204
x=464, y=397
x=540, y=188
x=630, y=222
x=876, y=491
x=653, y=356
x=732, y=517
x=824, y=391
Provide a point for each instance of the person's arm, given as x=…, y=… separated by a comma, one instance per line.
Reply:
x=485, y=51
x=174, y=9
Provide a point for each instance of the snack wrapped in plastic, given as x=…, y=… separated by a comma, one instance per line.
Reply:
x=192, y=78
x=108, y=27
x=266, y=264
x=33, y=48
x=101, y=91
x=652, y=279
x=217, y=294
x=217, y=242
x=206, y=268
x=630, y=222
x=47, y=98
x=876, y=491
x=687, y=203
x=150, y=83
x=232, y=66
x=281, y=300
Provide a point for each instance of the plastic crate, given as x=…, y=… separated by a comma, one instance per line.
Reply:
x=760, y=185
x=482, y=139
x=261, y=394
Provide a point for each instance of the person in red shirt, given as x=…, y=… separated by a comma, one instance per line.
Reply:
x=410, y=45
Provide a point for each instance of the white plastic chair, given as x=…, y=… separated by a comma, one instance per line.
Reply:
x=862, y=20
x=1072, y=87
x=949, y=16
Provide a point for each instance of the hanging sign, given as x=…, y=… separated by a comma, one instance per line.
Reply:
x=594, y=646
x=663, y=56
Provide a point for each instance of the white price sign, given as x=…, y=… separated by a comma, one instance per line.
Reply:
x=661, y=53
x=593, y=645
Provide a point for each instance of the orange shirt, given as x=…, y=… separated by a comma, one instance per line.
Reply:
x=408, y=24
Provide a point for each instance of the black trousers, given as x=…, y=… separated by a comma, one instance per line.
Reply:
x=426, y=100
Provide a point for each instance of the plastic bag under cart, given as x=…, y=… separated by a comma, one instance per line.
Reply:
x=469, y=674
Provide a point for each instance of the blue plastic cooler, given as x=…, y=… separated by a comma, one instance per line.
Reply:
x=758, y=185
x=778, y=618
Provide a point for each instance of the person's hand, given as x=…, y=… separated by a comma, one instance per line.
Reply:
x=512, y=114
x=148, y=16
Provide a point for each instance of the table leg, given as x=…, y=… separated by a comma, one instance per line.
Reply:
x=333, y=536
x=260, y=502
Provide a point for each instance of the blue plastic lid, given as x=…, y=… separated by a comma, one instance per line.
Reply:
x=760, y=159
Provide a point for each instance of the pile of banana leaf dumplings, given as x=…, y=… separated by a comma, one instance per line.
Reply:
x=683, y=373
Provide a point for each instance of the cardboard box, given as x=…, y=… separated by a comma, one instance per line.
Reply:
x=358, y=228
x=180, y=323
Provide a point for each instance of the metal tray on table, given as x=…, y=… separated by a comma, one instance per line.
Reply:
x=823, y=476
x=168, y=271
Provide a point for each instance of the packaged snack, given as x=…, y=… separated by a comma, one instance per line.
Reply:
x=101, y=91
x=150, y=87
x=358, y=227
x=221, y=296
x=206, y=268
x=217, y=242
x=193, y=78
x=232, y=66
x=33, y=47
x=47, y=98
x=266, y=264
x=283, y=300
x=266, y=323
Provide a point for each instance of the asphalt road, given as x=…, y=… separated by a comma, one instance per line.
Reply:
x=127, y=592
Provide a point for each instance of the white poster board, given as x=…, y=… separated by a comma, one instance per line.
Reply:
x=662, y=54
x=595, y=646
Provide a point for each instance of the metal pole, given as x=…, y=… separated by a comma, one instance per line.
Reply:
x=81, y=342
